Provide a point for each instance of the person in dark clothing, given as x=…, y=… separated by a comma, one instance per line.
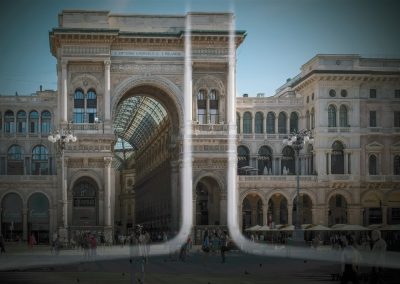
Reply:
x=2, y=245
x=224, y=245
x=350, y=260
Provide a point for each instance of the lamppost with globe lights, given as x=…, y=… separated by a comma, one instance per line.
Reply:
x=297, y=140
x=60, y=138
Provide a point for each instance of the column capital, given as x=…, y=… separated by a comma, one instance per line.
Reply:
x=107, y=63
x=107, y=162
x=64, y=63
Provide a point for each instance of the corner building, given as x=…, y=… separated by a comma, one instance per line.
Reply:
x=121, y=93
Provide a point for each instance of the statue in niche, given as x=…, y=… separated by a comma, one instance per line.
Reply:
x=265, y=172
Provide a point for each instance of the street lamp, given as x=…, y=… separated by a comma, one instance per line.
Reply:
x=297, y=140
x=61, y=137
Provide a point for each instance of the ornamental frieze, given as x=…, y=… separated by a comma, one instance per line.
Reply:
x=85, y=50
x=146, y=68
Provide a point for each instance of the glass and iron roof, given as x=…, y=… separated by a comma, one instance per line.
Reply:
x=136, y=120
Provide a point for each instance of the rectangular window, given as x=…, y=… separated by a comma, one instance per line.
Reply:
x=349, y=164
x=395, y=216
x=372, y=118
x=397, y=119
x=397, y=94
x=374, y=216
x=327, y=164
x=2, y=165
x=372, y=93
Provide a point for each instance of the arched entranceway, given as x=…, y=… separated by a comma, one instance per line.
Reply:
x=277, y=210
x=85, y=203
x=146, y=118
x=305, y=210
x=208, y=202
x=252, y=211
x=337, y=213
x=11, y=217
x=38, y=217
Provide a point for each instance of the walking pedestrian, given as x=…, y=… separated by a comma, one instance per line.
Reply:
x=379, y=257
x=224, y=245
x=2, y=244
x=350, y=260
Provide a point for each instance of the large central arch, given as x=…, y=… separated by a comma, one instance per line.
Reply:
x=153, y=163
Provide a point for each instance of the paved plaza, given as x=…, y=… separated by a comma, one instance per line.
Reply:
x=113, y=265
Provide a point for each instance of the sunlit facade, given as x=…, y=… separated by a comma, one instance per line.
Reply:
x=120, y=90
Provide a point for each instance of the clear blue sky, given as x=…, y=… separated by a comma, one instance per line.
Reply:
x=281, y=35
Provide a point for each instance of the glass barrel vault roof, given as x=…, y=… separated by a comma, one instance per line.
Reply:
x=137, y=119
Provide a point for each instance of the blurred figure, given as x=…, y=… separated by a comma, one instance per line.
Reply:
x=378, y=257
x=31, y=240
x=350, y=260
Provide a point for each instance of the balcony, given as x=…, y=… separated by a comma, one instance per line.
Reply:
x=86, y=128
x=28, y=178
x=210, y=129
x=283, y=178
x=382, y=178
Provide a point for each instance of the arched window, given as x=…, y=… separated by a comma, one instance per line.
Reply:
x=247, y=122
x=21, y=122
x=201, y=107
x=259, y=122
x=270, y=122
x=312, y=118
x=238, y=122
x=33, y=121
x=79, y=106
x=46, y=122
x=91, y=106
x=396, y=165
x=331, y=116
x=40, y=160
x=372, y=165
x=343, y=122
x=243, y=157
x=214, y=107
x=308, y=120
x=15, y=160
x=264, y=159
x=294, y=122
x=282, y=123
x=9, y=126
x=337, y=158
x=288, y=161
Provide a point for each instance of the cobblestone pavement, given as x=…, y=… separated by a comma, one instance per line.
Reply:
x=71, y=267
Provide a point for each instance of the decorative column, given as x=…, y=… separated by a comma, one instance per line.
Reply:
x=64, y=94
x=223, y=209
x=384, y=215
x=107, y=191
x=175, y=205
x=107, y=105
x=290, y=213
x=265, y=213
x=276, y=125
x=64, y=170
x=24, y=223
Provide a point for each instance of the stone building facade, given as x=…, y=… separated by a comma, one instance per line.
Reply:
x=121, y=86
